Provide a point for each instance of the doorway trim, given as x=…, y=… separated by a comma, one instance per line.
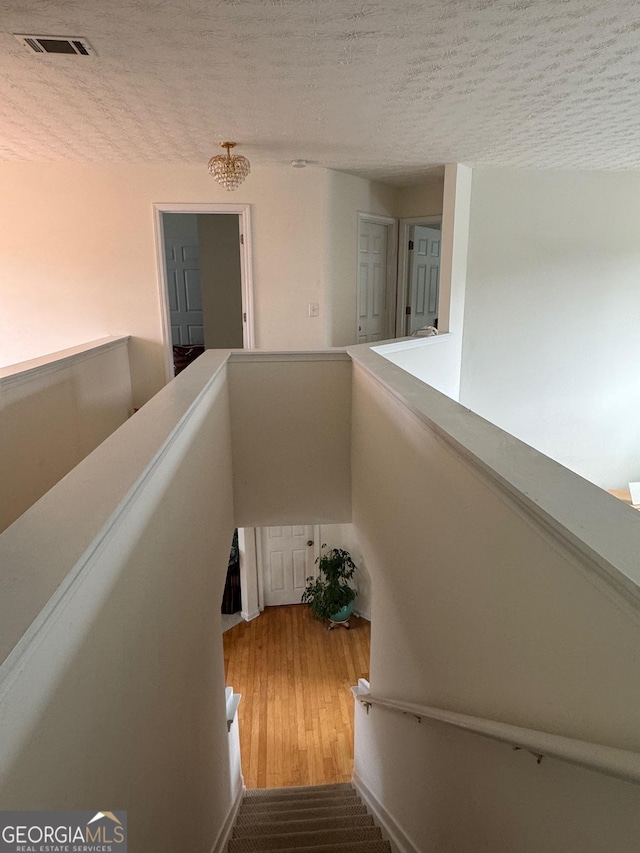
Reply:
x=246, y=269
x=403, y=268
x=392, y=269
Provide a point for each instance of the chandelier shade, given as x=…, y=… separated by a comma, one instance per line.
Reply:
x=228, y=169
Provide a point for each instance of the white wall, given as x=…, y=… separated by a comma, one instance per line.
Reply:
x=482, y=795
x=116, y=692
x=433, y=360
x=219, y=240
x=78, y=255
x=79, y=259
x=291, y=439
x=53, y=412
x=346, y=195
x=552, y=319
x=344, y=536
x=478, y=608
x=423, y=199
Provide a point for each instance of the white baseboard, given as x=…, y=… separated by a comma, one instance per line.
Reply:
x=400, y=841
x=249, y=616
x=220, y=844
x=362, y=615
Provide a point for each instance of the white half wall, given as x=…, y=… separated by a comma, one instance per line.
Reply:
x=435, y=360
x=485, y=608
x=552, y=318
x=55, y=410
x=114, y=690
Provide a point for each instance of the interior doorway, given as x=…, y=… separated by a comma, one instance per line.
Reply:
x=418, y=303
x=205, y=276
x=376, y=278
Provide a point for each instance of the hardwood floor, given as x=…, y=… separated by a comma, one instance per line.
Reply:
x=296, y=712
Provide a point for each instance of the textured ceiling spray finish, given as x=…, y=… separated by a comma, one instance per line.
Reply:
x=387, y=90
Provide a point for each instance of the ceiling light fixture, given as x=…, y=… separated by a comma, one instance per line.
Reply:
x=229, y=170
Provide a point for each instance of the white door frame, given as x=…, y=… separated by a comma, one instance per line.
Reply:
x=247, y=548
x=403, y=268
x=260, y=558
x=246, y=268
x=392, y=268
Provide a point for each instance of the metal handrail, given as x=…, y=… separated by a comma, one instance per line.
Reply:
x=620, y=763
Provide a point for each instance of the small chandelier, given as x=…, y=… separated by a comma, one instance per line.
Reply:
x=230, y=171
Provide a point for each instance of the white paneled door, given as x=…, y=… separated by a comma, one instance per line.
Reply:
x=288, y=559
x=424, y=278
x=185, y=297
x=372, y=281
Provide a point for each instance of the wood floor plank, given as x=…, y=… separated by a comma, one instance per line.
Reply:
x=296, y=714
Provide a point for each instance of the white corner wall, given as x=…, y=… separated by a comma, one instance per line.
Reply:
x=53, y=412
x=291, y=438
x=552, y=319
x=346, y=196
x=424, y=199
x=344, y=536
x=437, y=361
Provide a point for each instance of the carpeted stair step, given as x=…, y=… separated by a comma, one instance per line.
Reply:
x=315, y=819
x=301, y=840
x=284, y=826
x=348, y=847
x=299, y=791
x=257, y=817
x=262, y=804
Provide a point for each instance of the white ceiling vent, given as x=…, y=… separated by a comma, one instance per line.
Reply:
x=56, y=44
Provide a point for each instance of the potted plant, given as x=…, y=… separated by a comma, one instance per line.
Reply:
x=329, y=595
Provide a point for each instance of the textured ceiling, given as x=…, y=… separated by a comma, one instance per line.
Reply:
x=382, y=89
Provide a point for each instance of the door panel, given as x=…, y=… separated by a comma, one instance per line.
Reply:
x=424, y=278
x=287, y=561
x=185, y=294
x=372, y=282
x=193, y=294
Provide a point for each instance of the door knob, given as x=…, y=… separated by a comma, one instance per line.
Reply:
x=310, y=542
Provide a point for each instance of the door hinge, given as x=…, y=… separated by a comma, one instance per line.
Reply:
x=407, y=310
x=411, y=245
x=244, y=316
x=242, y=239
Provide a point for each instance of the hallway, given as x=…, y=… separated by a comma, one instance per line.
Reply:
x=296, y=713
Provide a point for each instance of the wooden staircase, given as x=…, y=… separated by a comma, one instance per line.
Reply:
x=314, y=819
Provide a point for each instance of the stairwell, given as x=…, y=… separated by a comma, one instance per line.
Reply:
x=319, y=818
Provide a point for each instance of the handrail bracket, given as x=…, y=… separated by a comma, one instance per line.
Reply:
x=537, y=755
